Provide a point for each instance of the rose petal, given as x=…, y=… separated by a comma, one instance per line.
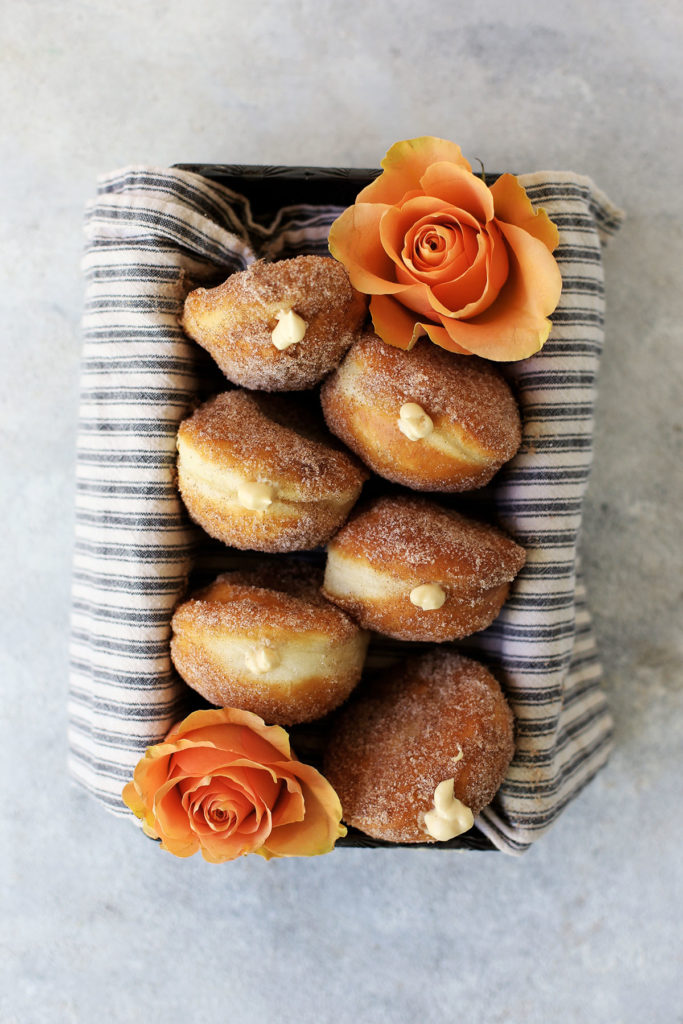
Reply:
x=354, y=240
x=404, y=165
x=417, y=298
x=133, y=800
x=430, y=247
x=539, y=274
x=150, y=772
x=515, y=327
x=321, y=827
x=171, y=823
x=290, y=805
x=203, y=721
x=398, y=221
x=260, y=786
x=453, y=298
x=459, y=187
x=234, y=805
x=205, y=759
x=441, y=337
x=455, y=262
x=393, y=322
x=150, y=831
x=460, y=249
x=479, y=287
x=249, y=739
x=226, y=848
x=198, y=800
x=513, y=206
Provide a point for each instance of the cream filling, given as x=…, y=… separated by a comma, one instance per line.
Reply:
x=450, y=440
x=428, y=596
x=413, y=422
x=261, y=659
x=254, y=496
x=280, y=662
x=289, y=330
x=356, y=579
x=449, y=816
x=232, y=488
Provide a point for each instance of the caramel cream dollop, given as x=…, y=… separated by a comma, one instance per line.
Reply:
x=428, y=596
x=261, y=659
x=256, y=497
x=289, y=330
x=414, y=422
x=450, y=817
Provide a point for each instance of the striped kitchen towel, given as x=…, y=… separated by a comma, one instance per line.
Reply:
x=152, y=234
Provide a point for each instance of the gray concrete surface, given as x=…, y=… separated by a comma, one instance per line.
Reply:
x=96, y=924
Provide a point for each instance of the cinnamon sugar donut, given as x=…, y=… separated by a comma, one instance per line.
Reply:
x=418, y=754
x=423, y=418
x=410, y=569
x=255, y=473
x=278, y=326
x=265, y=640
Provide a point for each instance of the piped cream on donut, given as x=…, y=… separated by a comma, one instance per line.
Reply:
x=449, y=817
x=289, y=330
x=265, y=640
x=417, y=753
x=422, y=418
x=278, y=326
x=255, y=476
x=428, y=596
x=261, y=659
x=413, y=422
x=410, y=569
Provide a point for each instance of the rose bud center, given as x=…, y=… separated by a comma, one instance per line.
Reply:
x=434, y=244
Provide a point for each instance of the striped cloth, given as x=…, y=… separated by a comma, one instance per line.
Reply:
x=151, y=236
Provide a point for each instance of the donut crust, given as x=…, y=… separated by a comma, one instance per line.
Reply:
x=235, y=321
x=242, y=438
x=319, y=651
x=438, y=717
x=475, y=417
x=396, y=544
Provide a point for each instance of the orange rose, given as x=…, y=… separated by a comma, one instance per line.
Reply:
x=442, y=254
x=225, y=783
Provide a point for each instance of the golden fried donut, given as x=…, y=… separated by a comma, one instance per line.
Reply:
x=406, y=567
x=254, y=473
x=278, y=326
x=265, y=640
x=424, y=418
x=417, y=754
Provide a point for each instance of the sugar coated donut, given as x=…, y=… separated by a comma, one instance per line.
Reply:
x=278, y=326
x=416, y=755
x=256, y=474
x=424, y=418
x=265, y=640
x=406, y=567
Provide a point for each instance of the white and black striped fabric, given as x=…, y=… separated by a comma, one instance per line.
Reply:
x=153, y=234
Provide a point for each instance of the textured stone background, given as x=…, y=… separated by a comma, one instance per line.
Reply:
x=96, y=923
